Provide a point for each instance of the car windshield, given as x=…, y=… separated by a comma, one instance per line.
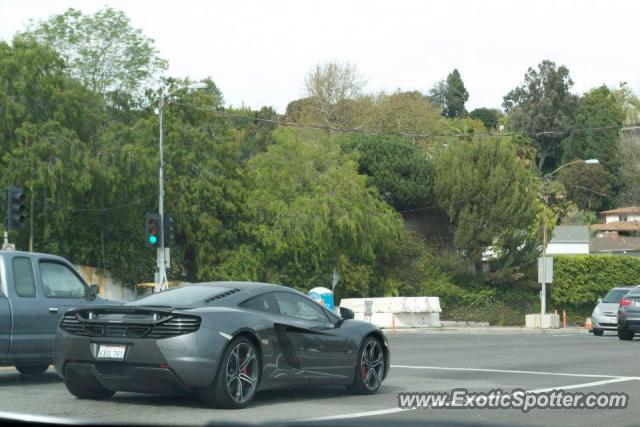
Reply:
x=181, y=297
x=615, y=295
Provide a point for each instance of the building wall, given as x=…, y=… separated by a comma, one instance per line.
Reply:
x=110, y=287
x=567, y=248
x=616, y=218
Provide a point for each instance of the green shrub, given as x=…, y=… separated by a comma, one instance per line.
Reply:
x=579, y=280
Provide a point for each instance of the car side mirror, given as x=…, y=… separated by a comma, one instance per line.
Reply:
x=599, y=300
x=346, y=313
x=94, y=290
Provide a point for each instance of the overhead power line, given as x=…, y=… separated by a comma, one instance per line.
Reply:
x=398, y=133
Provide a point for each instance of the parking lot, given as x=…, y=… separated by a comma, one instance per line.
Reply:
x=421, y=362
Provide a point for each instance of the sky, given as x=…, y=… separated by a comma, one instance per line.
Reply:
x=258, y=52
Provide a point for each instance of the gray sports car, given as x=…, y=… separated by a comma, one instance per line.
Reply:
x=221, y=340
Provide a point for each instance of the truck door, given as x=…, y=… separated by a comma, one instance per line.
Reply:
x=5, y=314
x=29, y=333
x=63, y=289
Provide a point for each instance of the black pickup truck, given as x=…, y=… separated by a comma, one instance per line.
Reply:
x=35, y=291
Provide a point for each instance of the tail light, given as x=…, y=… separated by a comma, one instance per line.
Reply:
x=625, y=302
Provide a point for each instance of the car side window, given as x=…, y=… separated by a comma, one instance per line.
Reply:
x=265, y=302
x=59, y=281
x=23, y=279
x=293, y=305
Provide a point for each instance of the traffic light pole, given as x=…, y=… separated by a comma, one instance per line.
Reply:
x=161, y=282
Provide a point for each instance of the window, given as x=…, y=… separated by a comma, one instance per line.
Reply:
x=293, y=305
x=59, y=281
x=614, y=296
x=23, y=279
x=265, y=302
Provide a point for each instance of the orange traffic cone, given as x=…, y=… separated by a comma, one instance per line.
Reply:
x=587, y=323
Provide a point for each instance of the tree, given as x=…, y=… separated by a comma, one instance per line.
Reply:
x=403, y=175
x=595, y=134
x=630, y=104
x=103, y=50
x=333, y=87
x=309, y=213
x=450, y=95
x=400, y=113
x=589, y=186
x=488, y=116
x=490, y=197
x=543, y=103
x=629, y=168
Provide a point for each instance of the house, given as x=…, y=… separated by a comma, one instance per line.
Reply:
x=615, y=244
x=569, y=240
x=621, y=221
x=628, y=214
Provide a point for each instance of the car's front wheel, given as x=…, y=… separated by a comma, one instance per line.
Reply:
x=32, y=369
x=238, y=376
x=598, y=332
x=370, y=368
x=625, y=334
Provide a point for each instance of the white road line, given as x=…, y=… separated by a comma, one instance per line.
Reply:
x=611, y=380
x=585, y=385
x=506, y=371
x=359, y=414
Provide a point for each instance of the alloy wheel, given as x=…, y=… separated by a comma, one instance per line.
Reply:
x=372, y=365
x=242, y=372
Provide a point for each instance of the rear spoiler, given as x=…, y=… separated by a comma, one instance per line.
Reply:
x=122, y=309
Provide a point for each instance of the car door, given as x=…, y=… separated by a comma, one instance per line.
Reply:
x=63, y=288
x=30, y=337
x=322, y=350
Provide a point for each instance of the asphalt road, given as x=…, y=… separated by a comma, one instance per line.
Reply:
x=421, y=362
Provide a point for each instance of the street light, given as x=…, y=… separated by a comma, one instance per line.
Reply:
x=161, y=282
x=547, y=178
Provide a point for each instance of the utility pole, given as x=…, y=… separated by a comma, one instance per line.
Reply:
x=161, y=279
x=162, y=255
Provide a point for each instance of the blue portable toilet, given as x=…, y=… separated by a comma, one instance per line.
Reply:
x=324, y=296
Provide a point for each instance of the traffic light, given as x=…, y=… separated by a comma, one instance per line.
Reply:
x=152, y=230
x=15, y=208
x=168, y=234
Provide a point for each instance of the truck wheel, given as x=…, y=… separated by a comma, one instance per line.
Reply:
x=32, y=369
x=87, y=390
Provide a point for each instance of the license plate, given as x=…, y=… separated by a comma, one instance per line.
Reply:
x=637, y=303
x=112, y=352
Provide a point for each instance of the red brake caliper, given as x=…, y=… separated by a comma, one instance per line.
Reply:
x=244, y=370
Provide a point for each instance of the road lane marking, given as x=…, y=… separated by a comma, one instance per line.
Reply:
x=507, y=371
x=585, y=385
x=611, y=379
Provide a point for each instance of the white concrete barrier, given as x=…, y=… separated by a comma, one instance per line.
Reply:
x=404, y=312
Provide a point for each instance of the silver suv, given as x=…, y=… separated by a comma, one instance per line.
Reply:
x=605, y=315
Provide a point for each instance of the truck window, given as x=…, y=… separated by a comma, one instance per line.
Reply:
x=59, y=281
x=23, y=279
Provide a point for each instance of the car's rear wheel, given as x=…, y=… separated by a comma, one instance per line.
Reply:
x=238, y=376
x=625, y=334
x=32, y=369
x=87, y=390
x=598, y=332
x=370, y=368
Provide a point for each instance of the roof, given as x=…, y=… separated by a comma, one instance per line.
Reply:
x=570, y=234
x=622, y=244
x=622, y=211
x=617, y=226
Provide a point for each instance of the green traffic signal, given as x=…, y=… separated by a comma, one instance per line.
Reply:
x=153, y=240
